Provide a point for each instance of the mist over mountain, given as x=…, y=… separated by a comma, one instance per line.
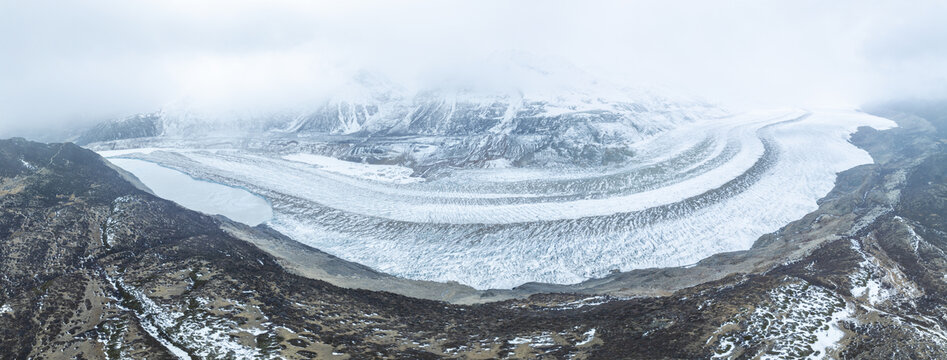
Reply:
x=253, y=58
x=473, y=180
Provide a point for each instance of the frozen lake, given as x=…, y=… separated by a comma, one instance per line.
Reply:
x=204, y=196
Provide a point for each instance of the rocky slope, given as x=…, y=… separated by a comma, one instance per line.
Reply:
x=139, y=126
x=95, y=267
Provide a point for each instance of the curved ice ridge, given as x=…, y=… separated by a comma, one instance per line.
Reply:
x=708, y=187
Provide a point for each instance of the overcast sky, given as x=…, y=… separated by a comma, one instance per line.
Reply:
x=67, y=61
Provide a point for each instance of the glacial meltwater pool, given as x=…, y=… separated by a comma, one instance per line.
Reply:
x=204, y=196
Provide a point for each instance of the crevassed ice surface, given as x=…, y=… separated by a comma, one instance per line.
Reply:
x=236, y=204
x=695, y=190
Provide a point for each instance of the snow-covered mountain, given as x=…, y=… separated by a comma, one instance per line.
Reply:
x=558, y=119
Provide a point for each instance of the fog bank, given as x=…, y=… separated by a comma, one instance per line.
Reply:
x=63, y=63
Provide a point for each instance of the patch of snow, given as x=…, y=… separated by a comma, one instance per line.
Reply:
x=828, y=337
x=498, y=164
x=27, y=165
x=878, y=285
x=725, y=349
x=915, y=238
x=538, y=341
x=800, y=320
x=152, y=318
x=590, y=301
x=206, y=336
x=589, y=336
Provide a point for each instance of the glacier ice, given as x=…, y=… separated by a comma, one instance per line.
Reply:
x=690, y=190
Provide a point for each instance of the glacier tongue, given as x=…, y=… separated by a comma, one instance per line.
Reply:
x=696, y=189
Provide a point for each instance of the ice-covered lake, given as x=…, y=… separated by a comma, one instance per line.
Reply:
x=204, y=196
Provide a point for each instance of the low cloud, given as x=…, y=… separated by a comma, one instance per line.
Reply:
x=70, y=62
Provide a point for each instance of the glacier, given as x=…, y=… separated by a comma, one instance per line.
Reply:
x=695, y=188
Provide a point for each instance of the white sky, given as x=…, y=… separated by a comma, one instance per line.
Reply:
x=69, y=61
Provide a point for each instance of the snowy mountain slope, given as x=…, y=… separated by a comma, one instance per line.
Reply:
x=432, y=133
x=555, y=115
x=137, y=126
